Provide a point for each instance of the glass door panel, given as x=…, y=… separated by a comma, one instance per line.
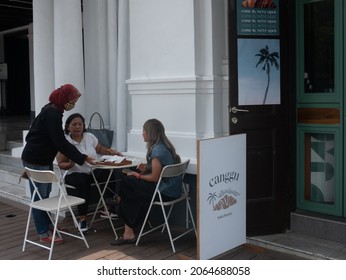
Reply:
x=319, y=175
x=319, y=167
x=319, y=47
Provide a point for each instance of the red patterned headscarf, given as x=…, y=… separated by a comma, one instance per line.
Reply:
x=62, y=95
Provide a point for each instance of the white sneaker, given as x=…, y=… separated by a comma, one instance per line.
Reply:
x=105, y=214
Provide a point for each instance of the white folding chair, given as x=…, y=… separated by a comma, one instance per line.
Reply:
x=52, y=205
x=170, y=171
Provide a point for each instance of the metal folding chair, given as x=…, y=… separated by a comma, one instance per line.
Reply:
x=52, y=205
x=170, y=171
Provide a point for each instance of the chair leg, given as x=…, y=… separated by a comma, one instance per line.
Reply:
x=143, y=225
x=186, y=216
x=191, y=216
x=50, y=215
x=167, y=225
x=27, y=230
x=168, y=215
x=53, y=235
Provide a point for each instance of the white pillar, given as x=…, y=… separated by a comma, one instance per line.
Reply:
x=112, y=49
x=122, y=72
x=177, y=51
x=162, y=84
x=210, y=53
x=43, y=49
x=96, y=60
x=68, y=46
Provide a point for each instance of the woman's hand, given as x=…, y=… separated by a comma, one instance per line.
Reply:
x=107, y=151
x=118, y=154
x=150, y=177
x=134, y=174
x=141, y=167
x=90, y=160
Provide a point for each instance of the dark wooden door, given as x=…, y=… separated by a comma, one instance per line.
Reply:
x=266, y=123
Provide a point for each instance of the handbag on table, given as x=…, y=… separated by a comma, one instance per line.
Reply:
x=104, y=136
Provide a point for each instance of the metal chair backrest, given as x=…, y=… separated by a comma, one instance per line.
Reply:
x=42, y=176
x=175, y=169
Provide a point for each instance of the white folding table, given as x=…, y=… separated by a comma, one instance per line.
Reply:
x=101, y=191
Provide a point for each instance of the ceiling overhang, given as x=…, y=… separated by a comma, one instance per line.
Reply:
x=15, y=14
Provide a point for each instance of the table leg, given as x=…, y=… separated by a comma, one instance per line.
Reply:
x=102, y=201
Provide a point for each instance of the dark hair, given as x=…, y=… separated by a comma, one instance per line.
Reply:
x=156, y=133
x=69, y=120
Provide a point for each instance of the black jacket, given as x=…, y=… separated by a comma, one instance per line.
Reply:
x=46, y=137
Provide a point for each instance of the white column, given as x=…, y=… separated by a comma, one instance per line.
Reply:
x=112, y=54
x=68, y=46
x=212, y=108
x=122, y=72
x=177, y=50
x=162, y=80
x=43, y=49
x=96, y=59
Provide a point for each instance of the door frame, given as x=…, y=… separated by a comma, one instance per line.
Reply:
x=285, y=184
x=315, y=103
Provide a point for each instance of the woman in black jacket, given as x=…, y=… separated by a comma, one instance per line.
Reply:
x=44, y=140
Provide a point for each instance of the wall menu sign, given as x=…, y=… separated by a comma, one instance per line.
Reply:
x=258, y=17
x=221, y=195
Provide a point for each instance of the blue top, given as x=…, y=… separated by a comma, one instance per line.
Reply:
x=169, y=186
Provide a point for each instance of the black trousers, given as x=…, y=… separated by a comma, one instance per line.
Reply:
x=135, y=196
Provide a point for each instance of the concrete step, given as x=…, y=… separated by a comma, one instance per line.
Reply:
x=14, y=193
x=13, y=144
x=14, y=135
x=6, y=159
x=319, y=225
x=11, y=174
x=11, y=186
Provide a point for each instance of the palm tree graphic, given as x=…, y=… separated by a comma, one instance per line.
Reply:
x=212, y=198
x=267, y=59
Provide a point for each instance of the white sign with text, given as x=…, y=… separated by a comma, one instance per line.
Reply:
x=221, y=195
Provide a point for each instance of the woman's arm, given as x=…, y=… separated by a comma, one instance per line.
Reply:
x=151, y=177
x=101, y=150
x=63, y=162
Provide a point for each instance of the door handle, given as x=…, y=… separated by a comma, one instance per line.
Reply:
x=235, y=110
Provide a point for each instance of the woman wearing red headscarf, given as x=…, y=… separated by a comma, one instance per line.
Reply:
x=44, y=140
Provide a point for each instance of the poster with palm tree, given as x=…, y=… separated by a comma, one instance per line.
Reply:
x=258, y=71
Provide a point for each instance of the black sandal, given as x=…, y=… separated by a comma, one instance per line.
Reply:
x=121, y=241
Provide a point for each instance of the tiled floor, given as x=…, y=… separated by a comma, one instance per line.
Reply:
x=287, y=246
x=152, y=247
